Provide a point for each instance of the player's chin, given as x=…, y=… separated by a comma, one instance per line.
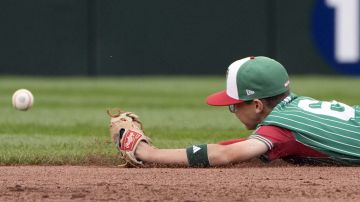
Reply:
x=250, y=126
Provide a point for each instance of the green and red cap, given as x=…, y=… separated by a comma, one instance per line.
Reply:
x=251, y=78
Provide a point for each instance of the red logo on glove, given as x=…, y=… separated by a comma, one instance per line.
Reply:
x=129, y=140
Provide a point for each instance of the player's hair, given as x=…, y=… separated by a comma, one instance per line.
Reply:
x=271, y=102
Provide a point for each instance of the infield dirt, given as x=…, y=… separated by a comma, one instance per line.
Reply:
x=251, y=181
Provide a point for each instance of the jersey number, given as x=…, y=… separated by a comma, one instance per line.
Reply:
x=334, y=109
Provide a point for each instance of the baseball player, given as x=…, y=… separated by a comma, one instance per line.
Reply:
x=295, y=128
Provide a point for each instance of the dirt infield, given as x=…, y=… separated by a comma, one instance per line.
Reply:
x=245, y=182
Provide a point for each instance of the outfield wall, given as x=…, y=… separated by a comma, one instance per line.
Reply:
x=118, y=37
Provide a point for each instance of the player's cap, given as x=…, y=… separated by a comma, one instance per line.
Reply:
x=251, y=78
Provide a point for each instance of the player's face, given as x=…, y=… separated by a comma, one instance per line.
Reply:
x=248, y=113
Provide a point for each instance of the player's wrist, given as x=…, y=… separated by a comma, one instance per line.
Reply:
x=143, y=151
x=197, y=156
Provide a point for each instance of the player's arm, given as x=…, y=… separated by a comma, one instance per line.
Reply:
x=216, y=154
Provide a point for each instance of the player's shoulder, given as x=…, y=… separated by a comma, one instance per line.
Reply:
x=294, y=98
x=291, y=102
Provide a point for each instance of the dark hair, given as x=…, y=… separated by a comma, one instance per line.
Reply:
x=271, y=102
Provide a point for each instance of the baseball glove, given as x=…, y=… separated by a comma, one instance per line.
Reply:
x=126, y=132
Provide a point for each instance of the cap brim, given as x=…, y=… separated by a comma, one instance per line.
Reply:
x=221, y=99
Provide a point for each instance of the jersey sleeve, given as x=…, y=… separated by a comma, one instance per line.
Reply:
x=281, y=143
x=272, y=136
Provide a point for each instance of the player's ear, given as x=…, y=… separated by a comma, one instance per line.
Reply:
x=259, y=106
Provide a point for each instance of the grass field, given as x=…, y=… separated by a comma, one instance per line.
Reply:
x=68, y=123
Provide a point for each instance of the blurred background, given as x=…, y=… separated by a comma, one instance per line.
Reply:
x=176, y=37
x=159, y=59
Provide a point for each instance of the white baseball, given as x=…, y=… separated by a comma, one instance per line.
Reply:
x=22, y=99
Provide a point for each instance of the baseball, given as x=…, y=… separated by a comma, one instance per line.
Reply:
x=22, y=99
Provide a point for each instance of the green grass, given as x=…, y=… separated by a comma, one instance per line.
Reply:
x=68, y=123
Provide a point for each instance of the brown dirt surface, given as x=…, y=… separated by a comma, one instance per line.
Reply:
x=244, y=182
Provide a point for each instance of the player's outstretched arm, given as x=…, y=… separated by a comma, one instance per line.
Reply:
x=135, y=147
x=215, y=154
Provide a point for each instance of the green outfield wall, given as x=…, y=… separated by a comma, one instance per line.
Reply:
x=118, y=37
